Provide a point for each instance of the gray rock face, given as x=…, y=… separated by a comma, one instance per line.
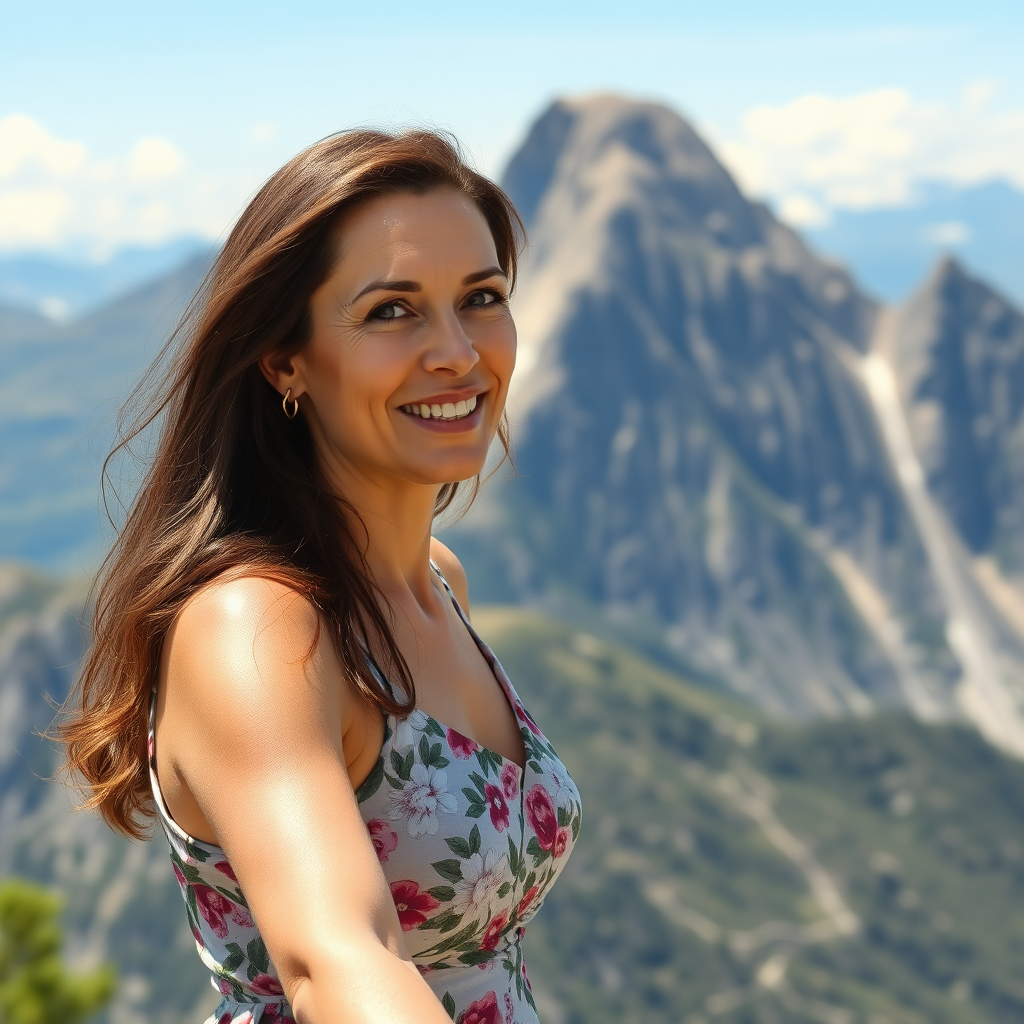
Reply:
x=693, y=438
x=958, y=354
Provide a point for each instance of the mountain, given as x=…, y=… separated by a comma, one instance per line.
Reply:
x=958, y=354
x=65, y=288
x=58, y=403
x=694, y=441
x=708, y=427
x=892, y=249
x=730, y=868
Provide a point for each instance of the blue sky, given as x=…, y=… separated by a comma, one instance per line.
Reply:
x=126, y=122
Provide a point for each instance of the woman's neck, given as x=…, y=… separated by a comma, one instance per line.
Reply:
x=395, y=519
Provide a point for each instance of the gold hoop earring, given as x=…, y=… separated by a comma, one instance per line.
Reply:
x=295, y=405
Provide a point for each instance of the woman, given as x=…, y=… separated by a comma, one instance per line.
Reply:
x=362, y=815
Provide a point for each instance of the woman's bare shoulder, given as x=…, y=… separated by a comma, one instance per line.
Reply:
x=239, y=637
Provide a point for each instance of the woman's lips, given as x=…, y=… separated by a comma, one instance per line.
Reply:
x=446, y=417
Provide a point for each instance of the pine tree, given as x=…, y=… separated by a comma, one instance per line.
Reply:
x=35, y=985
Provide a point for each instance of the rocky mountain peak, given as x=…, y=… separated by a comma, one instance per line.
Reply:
x=958, y=354
x=695, y=446
x=646, y=149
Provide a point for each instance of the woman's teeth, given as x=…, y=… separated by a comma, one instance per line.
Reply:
x=447, y=411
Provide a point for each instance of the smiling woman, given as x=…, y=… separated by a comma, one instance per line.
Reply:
x=361, y=813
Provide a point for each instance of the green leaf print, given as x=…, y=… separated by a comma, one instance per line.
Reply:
x=433, y=729
x=372, y=782
x=478, y=782
x=474, y=798
x=393, y=782
x=514, y=863
x=442, y=893
x=449, y=1004
x=258, y=955
x=233, y=960
x=474, y=839
x=190, y=872
x=430, y=754
x=402, y=765
x=442, y=923
x=450, y=869
x=459, y=846
x=564, y=816
x=190, y=902
x=196, y=853
x=476, y=956
x=476, y=811
x=503, y=890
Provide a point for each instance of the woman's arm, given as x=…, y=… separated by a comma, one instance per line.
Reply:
x=254, y=729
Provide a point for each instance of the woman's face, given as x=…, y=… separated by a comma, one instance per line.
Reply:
x=412, y=347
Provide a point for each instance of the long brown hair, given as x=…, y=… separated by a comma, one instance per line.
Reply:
x=233, y=487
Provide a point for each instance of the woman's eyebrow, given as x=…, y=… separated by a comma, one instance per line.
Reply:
x=389, y=286
x=413, y=286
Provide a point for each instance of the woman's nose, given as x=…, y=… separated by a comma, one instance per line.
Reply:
x=450, y=348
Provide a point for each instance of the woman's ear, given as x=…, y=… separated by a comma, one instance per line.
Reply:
x=282, y=371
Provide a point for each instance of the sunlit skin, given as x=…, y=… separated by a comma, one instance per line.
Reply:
x=254, y=740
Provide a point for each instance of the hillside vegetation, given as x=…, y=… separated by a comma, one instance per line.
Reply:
x=732, y=869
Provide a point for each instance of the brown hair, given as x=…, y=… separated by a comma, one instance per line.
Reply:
x=233, y=487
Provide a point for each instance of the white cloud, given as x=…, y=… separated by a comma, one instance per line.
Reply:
x=950, y=232
x=54, y=194
x=25, y=145
x=872, y=149
x=154, y=159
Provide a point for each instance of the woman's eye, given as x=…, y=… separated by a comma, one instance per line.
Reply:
x=390, y=311
x=484, y=298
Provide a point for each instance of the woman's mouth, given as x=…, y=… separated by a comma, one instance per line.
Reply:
x=445, y=412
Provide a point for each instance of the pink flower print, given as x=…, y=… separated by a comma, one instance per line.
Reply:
x=540, y=813
x=265, y=985
x=526, y=980
x=225, y=1018
x=242, y=917
x=524, y=717
x=483, y=1011
x=225, y=988
x=385, y=839
x=411, y=903
x=213, y=907
x=561, y=842
x=225, y=869
x=510, y=780
x=462, y=746
x=509, y=1008
x=497, y=806
x=179, y=876
x=197, y=935
x=529, y=896
x=494, y=930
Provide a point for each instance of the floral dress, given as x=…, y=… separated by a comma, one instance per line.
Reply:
x=469, y=842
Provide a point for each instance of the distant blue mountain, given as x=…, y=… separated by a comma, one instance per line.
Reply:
x=65, y=287
x=891, y=250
